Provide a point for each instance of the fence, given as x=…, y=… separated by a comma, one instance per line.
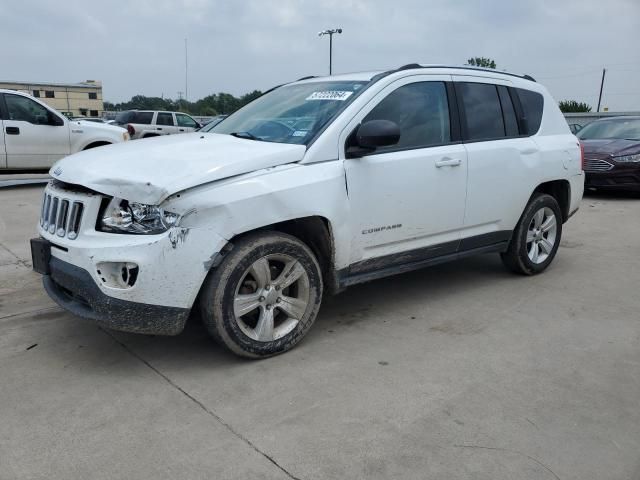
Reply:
x=583, y=118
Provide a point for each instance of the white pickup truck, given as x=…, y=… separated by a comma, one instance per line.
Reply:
x=34, y=136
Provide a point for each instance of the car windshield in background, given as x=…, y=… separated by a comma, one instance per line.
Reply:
x=209, y=126
x=628, y=129
x=291, y=114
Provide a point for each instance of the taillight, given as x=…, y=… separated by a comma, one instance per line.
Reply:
x=131, y=130
x=581, y=155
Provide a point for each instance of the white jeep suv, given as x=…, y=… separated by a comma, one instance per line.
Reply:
x=319, y=184
x=34, y=136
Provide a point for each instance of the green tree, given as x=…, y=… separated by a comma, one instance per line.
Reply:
x=482, y=62
x=214, y=104
x=571, y=106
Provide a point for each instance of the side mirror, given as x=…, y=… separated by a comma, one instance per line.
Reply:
x=371, y=135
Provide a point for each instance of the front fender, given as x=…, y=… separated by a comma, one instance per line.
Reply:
x=249, y=202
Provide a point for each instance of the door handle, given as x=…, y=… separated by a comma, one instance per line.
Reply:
x=158, y=128
x=182, y=129
x=12, y=131
x=448, y=162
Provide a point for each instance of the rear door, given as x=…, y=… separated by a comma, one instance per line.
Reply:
x=34, y=136
x=499, y=158
x=165, y=123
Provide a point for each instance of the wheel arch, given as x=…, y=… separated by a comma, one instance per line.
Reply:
x=97, y=143
x=315, y=232
x=558, y=189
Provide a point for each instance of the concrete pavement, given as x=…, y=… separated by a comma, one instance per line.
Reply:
x=462, y=371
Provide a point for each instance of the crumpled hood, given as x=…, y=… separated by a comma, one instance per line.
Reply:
x=149, y=170
x=612, y=146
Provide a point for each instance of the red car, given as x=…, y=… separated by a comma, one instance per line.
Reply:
x=612, y=153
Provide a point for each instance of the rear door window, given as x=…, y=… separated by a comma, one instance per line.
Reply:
x=482, y=111
x=532, y=107
x=164, y=118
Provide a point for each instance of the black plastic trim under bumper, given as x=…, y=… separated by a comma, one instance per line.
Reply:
x=74, y=289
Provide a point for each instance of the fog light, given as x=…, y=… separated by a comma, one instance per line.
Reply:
x=121, y=275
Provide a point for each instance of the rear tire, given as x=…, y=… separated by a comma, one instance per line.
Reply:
x=536, y=238
x=264, y=296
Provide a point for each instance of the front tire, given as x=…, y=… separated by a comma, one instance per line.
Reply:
x=264, y=297
x=536, y=238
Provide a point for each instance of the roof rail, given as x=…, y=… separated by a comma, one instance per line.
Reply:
x=306, y=78
x=411, y=66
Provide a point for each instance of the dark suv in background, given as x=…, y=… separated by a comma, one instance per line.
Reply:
x=612, y=153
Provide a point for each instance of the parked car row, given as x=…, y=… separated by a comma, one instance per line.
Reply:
x=34, y=135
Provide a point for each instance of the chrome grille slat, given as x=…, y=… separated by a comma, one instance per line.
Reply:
x=44, y=218
x=61, y=222
x=53, y=215
x=596, y=165
x=74, y=220
x=61, y=216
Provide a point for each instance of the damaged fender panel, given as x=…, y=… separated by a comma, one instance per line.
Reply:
x=236, y=206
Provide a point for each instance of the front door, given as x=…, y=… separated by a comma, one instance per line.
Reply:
x=34, y=137
x=408, y=200
x=185, y=123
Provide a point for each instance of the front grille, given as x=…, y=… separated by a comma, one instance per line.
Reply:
x=596, y=165
x=61, y=216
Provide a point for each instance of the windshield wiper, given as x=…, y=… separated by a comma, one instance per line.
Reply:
x=245, y=135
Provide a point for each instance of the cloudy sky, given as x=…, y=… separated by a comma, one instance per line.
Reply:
x=137, y=46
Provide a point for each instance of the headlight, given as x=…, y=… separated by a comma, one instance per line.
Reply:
x=122, y=216
x=628, y=158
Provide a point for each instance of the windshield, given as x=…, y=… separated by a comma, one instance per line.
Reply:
x=628, y=129
x=291, y=114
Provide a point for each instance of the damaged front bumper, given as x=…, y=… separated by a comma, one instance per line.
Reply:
x=73, y=289
x=137, y=283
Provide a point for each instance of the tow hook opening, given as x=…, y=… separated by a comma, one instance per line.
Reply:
x=121, y=275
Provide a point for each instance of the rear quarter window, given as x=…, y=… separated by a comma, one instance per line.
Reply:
x=532, y=108
x=144, y=118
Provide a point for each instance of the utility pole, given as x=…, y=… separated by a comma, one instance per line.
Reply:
x=604, y=71
x=331, y=33
x=186, y=72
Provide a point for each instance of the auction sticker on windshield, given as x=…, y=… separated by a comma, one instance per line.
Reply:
x=330, y=95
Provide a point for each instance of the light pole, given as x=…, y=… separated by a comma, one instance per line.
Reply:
x=331, y=33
